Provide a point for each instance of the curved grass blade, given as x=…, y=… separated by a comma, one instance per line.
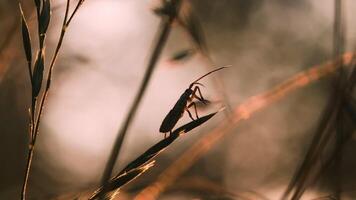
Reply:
x=161, y=145
x=45, y=17
x=26, y=37
x=141, y=164
x=38, y=74
x=117, y=182
x=182, y=55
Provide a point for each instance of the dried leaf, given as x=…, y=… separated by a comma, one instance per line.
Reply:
x=117, y=182
x=45, y=16
x=26, y=37
x=150, y=153
x=38, y=74
x=182, y=55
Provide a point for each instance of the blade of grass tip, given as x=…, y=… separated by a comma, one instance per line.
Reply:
x=44, y=19
x=118, y=182
x=161, y=145
x=38, y=4
x=164, y=31
x=26, y=39
x=45, y=16
x=190, y=126
x=158, y=148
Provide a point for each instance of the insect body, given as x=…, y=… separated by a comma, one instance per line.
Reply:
x=182, y=105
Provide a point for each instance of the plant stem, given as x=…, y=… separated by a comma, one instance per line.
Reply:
x=165, y=28
x=35, y=126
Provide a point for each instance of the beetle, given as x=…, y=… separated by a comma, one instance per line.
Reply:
x=181, y=105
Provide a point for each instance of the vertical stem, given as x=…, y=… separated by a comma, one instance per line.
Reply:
x=36, y=123
x=165, y=28
x=27, y=173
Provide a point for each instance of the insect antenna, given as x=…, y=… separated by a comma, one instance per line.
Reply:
x=196, y=81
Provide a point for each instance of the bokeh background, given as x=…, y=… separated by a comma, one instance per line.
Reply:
x=102, y=63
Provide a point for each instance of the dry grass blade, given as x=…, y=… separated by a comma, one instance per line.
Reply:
x=161, y=145
x=193, y=124
x=145, y=159
x=117, y=182
x=150, y=153
x=26, y=39
x=38, y=74
x=45, y=17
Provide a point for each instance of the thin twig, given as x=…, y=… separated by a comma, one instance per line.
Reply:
x=165, y=28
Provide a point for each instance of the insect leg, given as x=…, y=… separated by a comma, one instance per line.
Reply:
x=195, y=108
x=190, y=114
x=201, y=98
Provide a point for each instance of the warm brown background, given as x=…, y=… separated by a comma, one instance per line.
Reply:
x=101, y=65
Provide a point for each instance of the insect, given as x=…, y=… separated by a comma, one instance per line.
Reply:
x=182, y=105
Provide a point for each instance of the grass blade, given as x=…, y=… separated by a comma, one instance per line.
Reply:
x=190, y=126
x=38, y=5
x=161, y=145
x=26, y=37
x=118, y=182
x=45, y=17
x=150, y=153
x=38, y=74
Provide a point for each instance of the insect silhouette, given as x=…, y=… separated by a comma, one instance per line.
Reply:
x=181, y=105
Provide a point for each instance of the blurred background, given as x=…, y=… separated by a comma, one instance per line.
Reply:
x=102, y=63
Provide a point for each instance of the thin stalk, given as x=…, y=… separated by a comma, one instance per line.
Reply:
x=165, y=28
x=35, y=127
